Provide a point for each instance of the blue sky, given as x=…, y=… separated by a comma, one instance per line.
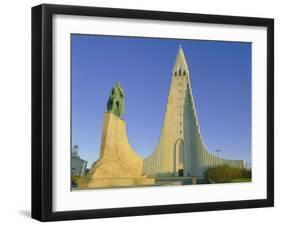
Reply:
x=220, y=74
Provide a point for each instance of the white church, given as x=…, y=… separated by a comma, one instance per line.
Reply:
x=181, y=150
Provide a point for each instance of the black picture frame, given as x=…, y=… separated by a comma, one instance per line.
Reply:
x=42, y=196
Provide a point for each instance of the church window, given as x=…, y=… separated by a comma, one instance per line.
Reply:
x=175, y=73
x=180, y=72
x=183, y=72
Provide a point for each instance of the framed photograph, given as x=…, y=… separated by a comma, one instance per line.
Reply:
x=145, y=112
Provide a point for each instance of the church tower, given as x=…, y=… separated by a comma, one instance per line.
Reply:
x=168, y=157
x=181, y=150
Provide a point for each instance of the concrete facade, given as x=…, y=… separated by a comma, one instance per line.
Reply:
x=181, y=150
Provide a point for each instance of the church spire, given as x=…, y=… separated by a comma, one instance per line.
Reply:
x=180, y=66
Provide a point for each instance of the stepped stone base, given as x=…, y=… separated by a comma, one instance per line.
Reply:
x=115, y=182
x=118, y=165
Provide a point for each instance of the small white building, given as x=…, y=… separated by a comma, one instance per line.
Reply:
x=78, y=165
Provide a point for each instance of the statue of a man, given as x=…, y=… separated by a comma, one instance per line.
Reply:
x=115, y=103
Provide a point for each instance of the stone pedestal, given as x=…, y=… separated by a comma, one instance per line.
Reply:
x=118, y=164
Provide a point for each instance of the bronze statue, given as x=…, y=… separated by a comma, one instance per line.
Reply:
x=115, y=103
